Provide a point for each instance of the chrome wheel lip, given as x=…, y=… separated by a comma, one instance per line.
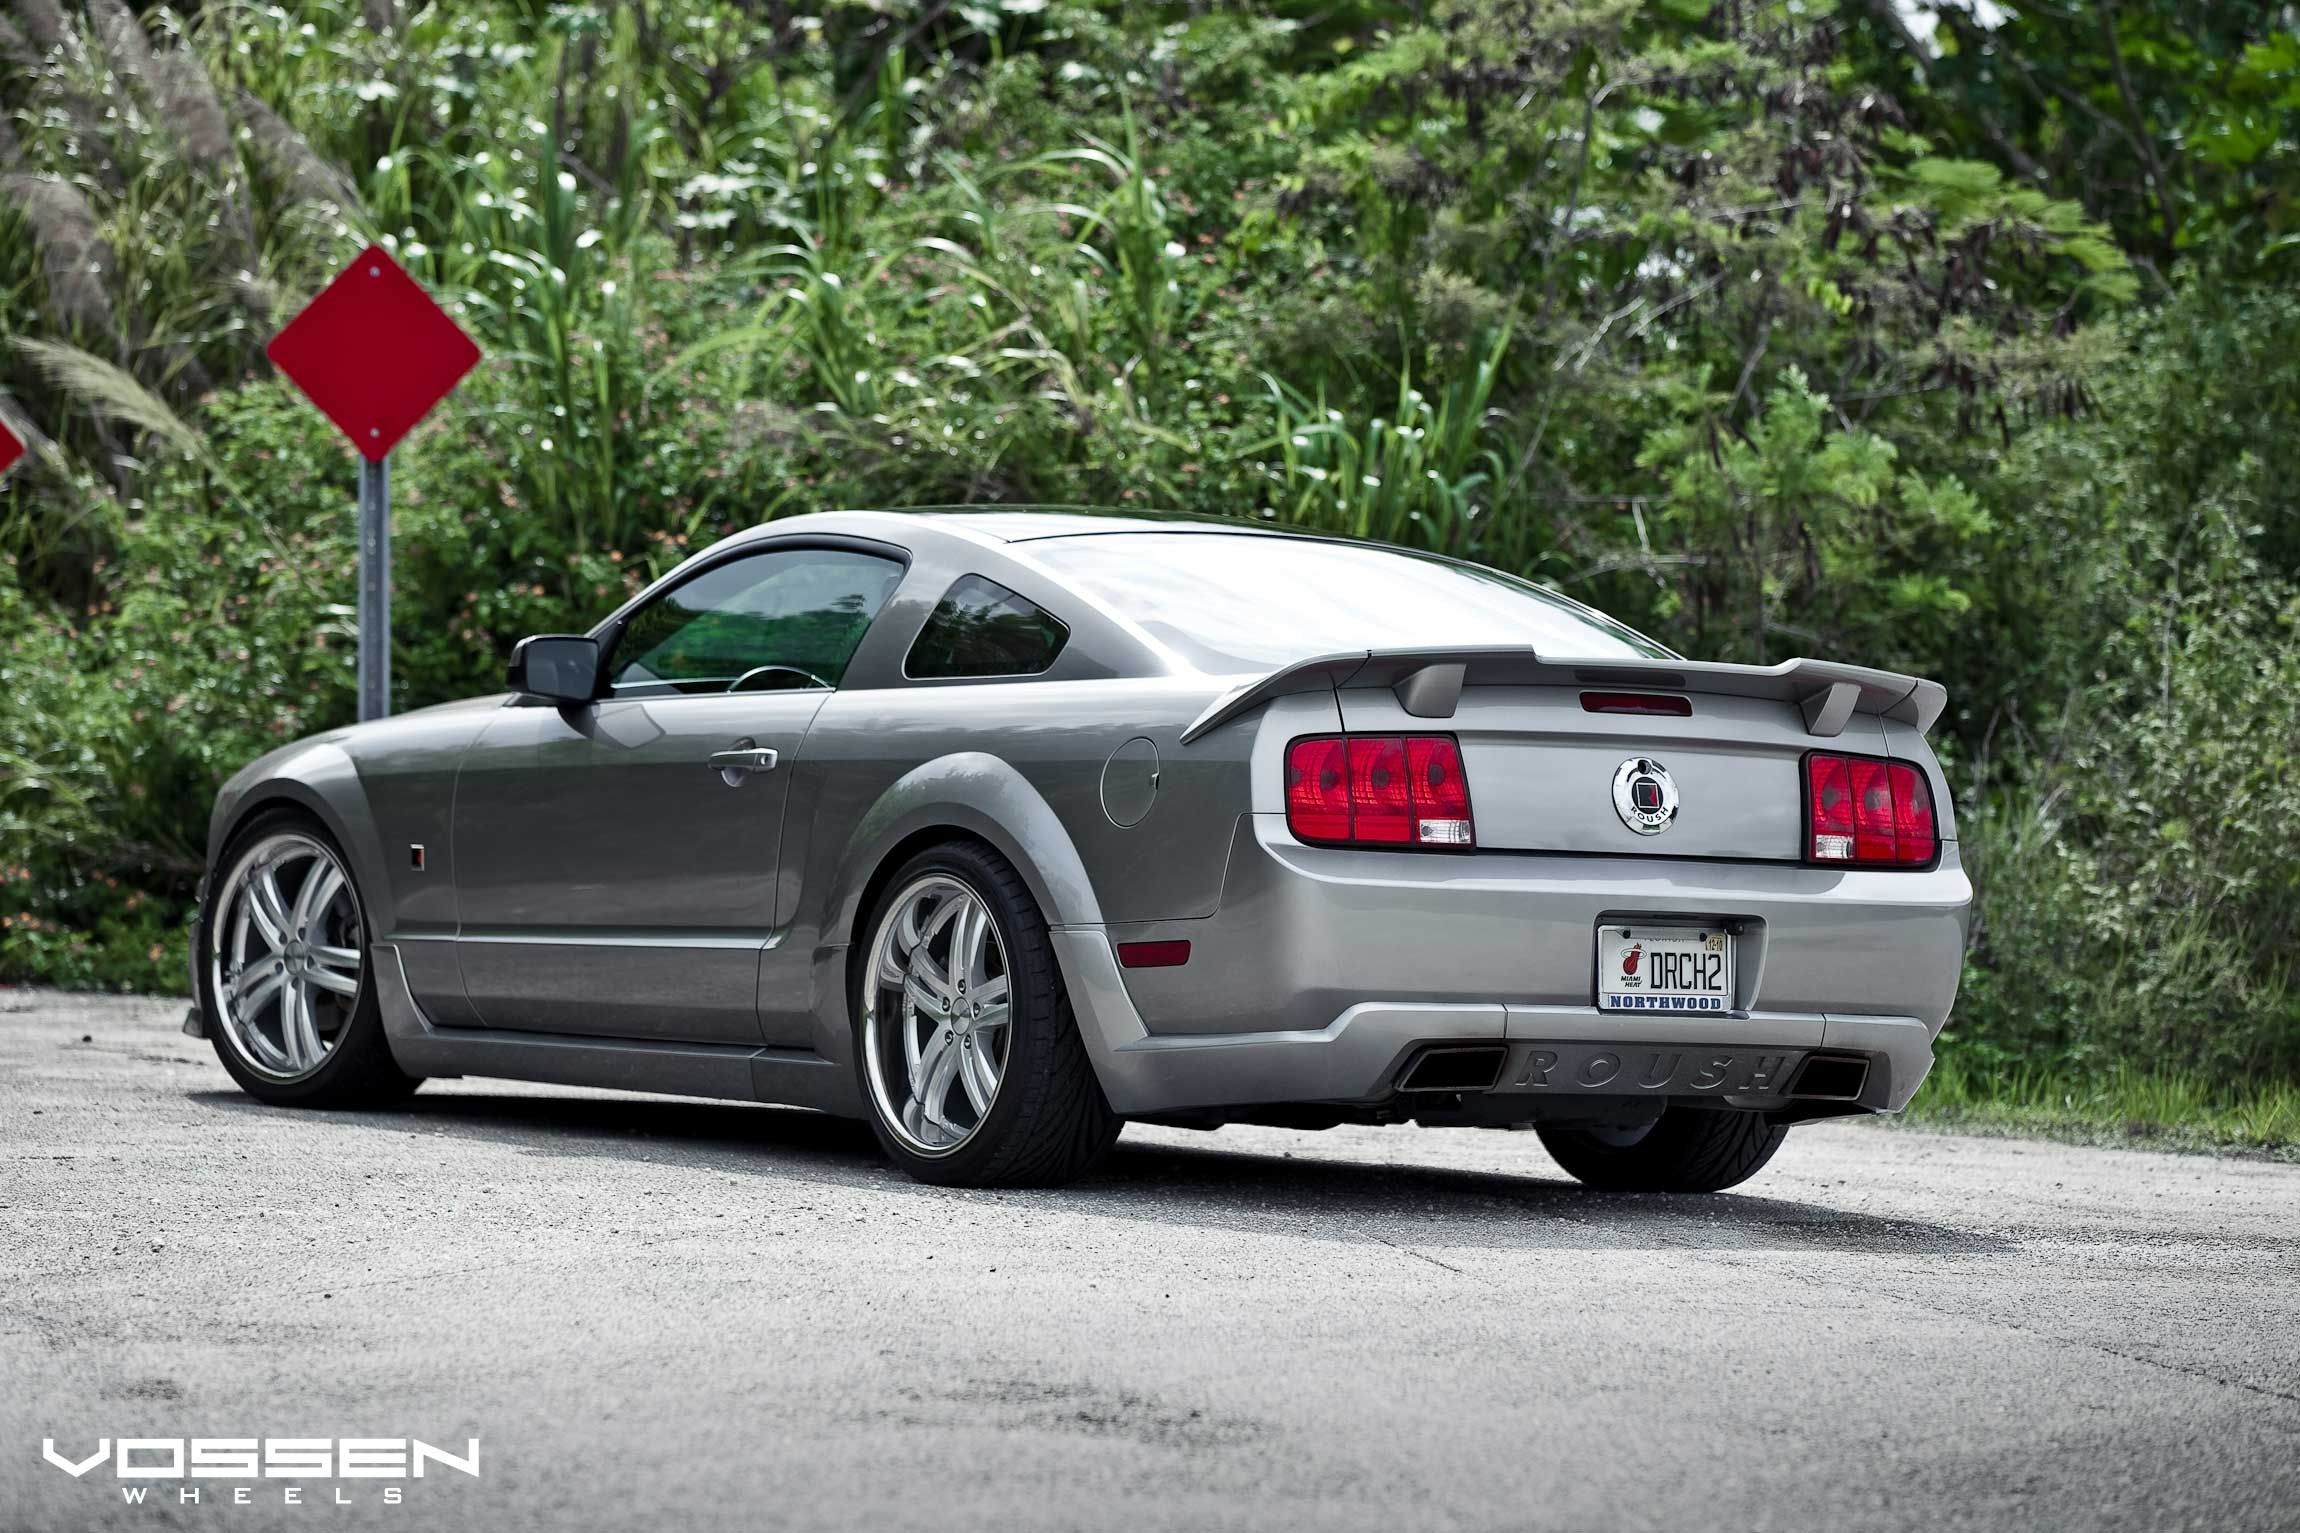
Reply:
x=287, y=954
x=954, y=1029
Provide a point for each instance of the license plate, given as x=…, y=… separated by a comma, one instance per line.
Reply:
x=1664, y=968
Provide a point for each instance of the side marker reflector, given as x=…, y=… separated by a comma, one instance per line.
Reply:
x=1153, y=955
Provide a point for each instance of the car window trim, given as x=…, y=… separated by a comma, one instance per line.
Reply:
x=609, y=630
x=614, y=687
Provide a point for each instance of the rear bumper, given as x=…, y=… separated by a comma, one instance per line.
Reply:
x=1549, y=1051
x=1326, y=973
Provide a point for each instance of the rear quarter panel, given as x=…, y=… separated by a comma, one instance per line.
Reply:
x=1057, y=738
x=1019, y=765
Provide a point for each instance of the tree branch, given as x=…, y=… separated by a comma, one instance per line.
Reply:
x=1890, y=16
x=2142, y=139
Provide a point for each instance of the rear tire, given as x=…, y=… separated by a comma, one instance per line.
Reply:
x=1686, y=1149
x=261, y=1043
x=931, y=980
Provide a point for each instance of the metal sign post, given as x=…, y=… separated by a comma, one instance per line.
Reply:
x=374, y=587
x=375, y=354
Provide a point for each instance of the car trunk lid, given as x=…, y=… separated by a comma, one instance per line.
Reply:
x=1545, y=773
x=1542, y=764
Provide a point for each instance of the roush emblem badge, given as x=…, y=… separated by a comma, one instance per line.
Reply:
x=1644, y=796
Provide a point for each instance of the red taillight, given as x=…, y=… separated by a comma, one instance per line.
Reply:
x=1378, y=790
x=1663, y=704
x=1913, y=830
x=1866, y=812
x=1318, y=789
x=1441, y=791
x=1828, y=809
x=1381, y=805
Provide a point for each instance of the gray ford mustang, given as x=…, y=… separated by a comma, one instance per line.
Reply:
x=999, y=828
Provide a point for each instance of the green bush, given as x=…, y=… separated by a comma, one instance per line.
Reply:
x=2131, y=723
x=229, y=629
x=65, y=913
x=2139, y=890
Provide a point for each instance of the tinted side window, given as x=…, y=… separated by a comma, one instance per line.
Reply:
x=771, y=622
x=980, y=628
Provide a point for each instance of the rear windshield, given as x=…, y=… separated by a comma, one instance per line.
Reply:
x=1235, y=603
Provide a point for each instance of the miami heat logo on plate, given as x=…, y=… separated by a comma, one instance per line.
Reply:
x=1644, y=796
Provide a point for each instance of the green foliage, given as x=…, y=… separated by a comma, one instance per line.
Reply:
x=2127, y=1103
x=1812, y=533
x=2141, y=887
x=1421, y=477
x=2173, y=121
x=1770, y=327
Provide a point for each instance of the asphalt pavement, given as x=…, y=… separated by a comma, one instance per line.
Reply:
x=659, y=1313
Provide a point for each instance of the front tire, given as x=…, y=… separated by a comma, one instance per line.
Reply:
x=969, y=1056
x=1686, y=1149
x=285, y=985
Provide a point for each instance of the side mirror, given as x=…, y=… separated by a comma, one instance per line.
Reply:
x=558, y=667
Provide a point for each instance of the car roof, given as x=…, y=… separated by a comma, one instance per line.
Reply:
x=991, y=528
x=1031, y=524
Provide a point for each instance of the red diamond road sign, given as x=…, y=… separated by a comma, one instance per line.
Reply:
x=374, y=353
x=10, y=449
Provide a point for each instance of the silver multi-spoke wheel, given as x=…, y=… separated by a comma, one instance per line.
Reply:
x=284, y=959
x=965, y=1046
x=937, y=1024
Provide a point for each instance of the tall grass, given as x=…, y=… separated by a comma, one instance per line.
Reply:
x=940, y=323
x=151, y=233
x=2123, y=1102
x=1423, y=475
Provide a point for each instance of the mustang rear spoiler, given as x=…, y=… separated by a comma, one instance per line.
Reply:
x=1429, y=682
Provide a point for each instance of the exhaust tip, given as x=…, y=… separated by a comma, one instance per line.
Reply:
x=1830, y=1078
x=1462, y=1067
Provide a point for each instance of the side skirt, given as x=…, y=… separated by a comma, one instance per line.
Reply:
x=785, y=1077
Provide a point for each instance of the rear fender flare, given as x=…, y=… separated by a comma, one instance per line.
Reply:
x=976, y=794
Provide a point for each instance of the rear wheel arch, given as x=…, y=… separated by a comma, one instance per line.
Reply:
x=891, y=861
x=970, y=796
x=1040, y=853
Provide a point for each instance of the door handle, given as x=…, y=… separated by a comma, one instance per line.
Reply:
x=734, y=765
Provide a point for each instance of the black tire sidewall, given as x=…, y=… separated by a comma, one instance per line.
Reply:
x=1695, y=1150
